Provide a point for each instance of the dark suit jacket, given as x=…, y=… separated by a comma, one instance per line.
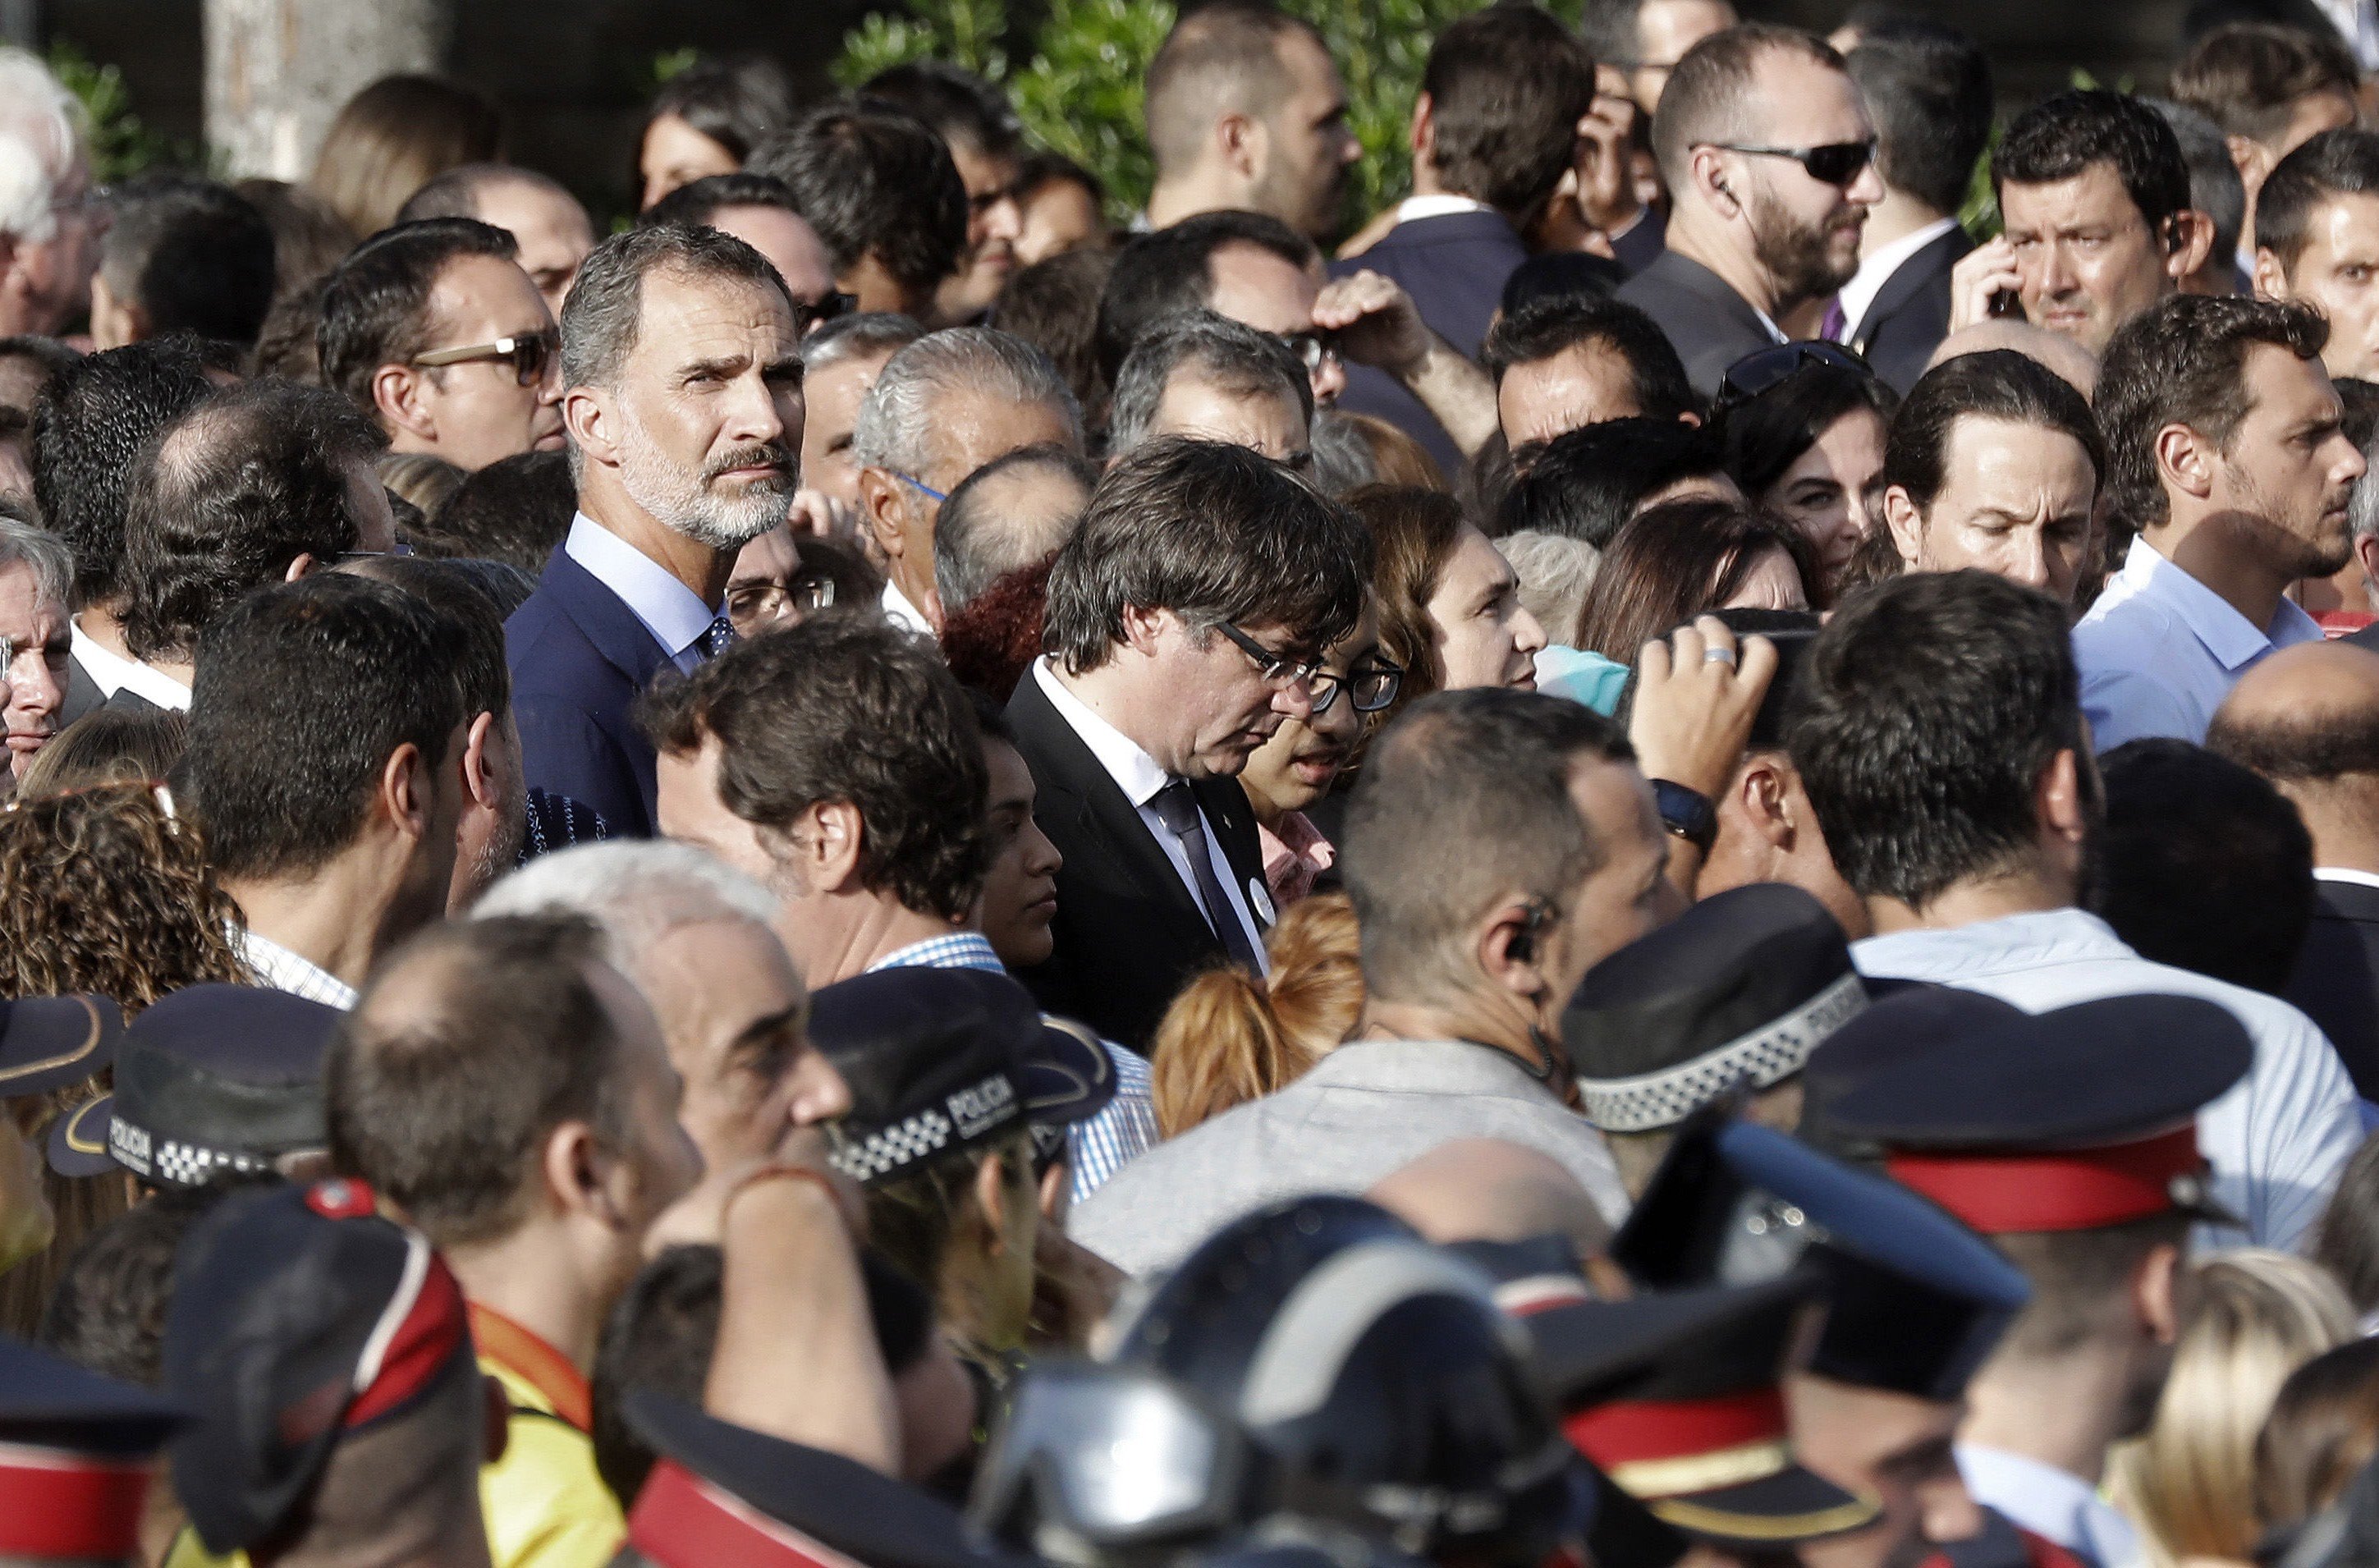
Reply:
x=1644, y=243
x=1910, y=315
x=1454, y=266
x=1128, y=932
x=82, y=694
x=2337, y=981
x=1711, y=325
x=579, y=658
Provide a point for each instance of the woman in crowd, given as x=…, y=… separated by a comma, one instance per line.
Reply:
x=108, y=745
x=1807, y=447
x=1449, y=603
x=2347, y=1242
x=1231, y=1036
x=706, y=119
x=2324, y=1428
x=395, y=136
x=1682, y=558
x=1299, y=765
x=2255, y=1317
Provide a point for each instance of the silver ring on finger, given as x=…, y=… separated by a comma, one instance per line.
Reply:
x=1718, y=656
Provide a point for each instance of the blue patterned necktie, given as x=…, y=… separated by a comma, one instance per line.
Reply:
x=718, y=639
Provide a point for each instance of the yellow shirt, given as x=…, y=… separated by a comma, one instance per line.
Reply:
x=546, y=1504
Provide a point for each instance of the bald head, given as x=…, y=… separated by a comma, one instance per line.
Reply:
x=2306, y=718
x=1484, y=1190
x=2071, y=363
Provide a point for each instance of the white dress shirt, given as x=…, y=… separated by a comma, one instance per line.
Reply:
x=2357, y=22
x=1137, y=775
x=2160, y=650
x=1876, y=271
x=2276, y=1141
x=902, y=613
x=279, y=969
x=112, y=672
x=1415, y=207
x=672, y=612
x=2049, y=1502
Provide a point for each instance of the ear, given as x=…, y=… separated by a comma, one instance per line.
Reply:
x=587, y=416
x=2184, y=461
x=1143, y=627
x=2253, y=160
x=2193, y=244
x=573, y=1169
x=887, y=510
x=990, y=1193
x=839, y=835
x=1057, y=1191
x=1907, y=528
x=1242, y=140
x=396, y=395
x=1766, y=802
x=1510, y=953
x=2271, y=279
x=2155, y=1294
x=300, y=565
x=1709, y=175
x=2059, y=803
x=2366, y=550
x=1423, y=136
x=114, y=322
x=405, y=791
x=478, y=779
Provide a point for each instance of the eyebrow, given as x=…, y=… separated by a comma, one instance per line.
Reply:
x=767, y=1024
x=724, y=365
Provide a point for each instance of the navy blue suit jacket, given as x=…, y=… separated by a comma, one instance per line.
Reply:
x=1454, y=266
x=1911, y=312
x=579, y=659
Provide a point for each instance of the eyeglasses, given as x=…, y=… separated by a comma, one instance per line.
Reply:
x=809, y=315
x=1371, y=687
x=1282, y=667
x=918, y=485
x=530, y=355
x=1837, y=162
x=1310, y=349
x=752, y=605
x=1766, y=369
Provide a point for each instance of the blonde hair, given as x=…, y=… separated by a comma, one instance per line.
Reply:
x=1555, y=572
x=1231, y=1037
x=395, y=136
x=2190, y=1482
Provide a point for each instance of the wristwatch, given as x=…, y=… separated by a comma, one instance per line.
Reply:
x=1686, y=813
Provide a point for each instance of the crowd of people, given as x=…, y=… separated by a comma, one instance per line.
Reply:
x=1671, y=856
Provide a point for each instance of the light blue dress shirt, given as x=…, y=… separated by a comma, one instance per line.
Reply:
x=2160, y=650
x=672, y=612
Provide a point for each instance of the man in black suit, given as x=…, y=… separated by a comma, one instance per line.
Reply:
x=1928, y=87
x=1493, y=132
x=1768, y=154
x=680, y=351
x=1185, y=617
x=2306, y=718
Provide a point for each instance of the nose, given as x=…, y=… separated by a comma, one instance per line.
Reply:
x=2350, y=466
x=2028, y=558
x=1329, y=379
x=1528, y=633
x=1003, y=219
x=1294, y=699
x=1042, y=858
x=819, y=1093
x=31, y=688
x=1867, y=189
x=2056, y=270
x=1947, y=1510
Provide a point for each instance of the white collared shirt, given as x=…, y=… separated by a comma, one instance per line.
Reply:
x=1413, y=207
x=1137, y=775
x=2345, y=874
x=672, y=612
x=2357, y=22
x=280, y=969
x=1876, y=271
x=902, y=613
x=2276, y=1140
x=2049, y=1502
x=2160, y=650
x=112, y=672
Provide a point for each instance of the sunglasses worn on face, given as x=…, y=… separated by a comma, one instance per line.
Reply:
x=1837, y=162
x=530, y=355
x=1770, y=367
x=809, y=315
x=1308, y=349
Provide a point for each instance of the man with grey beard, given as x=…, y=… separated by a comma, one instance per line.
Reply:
x=683, y=409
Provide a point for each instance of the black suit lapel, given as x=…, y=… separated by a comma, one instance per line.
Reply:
x=1910, y=278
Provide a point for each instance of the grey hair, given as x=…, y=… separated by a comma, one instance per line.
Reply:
x=976, y=546
x=1343, y=462
x=1554, y=571
x=1236, y=359
x=635, y=891
x=896, y=423
x=48, y=555
x=599, y=321
x=2362, y=506
x=49, y=124
x=851, y=337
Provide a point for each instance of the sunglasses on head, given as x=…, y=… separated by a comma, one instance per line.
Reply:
x=1770, y=367
x=1837, y=162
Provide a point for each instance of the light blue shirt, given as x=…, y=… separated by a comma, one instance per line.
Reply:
x=2276, y=1141
x=2049, y=1502
x=672, y=612
x=2160, y=650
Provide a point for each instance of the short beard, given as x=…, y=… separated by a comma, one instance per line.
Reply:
x=686, y=504
x=2302, y=554
x=1793, y=253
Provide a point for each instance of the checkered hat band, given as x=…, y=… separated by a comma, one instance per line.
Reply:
x=1764, y=1058
x=170, y=1161
x=963, y=1118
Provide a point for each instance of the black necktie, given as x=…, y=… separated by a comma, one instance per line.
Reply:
x=1177, y=809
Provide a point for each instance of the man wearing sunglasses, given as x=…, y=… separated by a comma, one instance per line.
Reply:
x=433, y=329
x=1768, y=156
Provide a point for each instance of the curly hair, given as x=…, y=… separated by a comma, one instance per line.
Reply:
x=994, y=639
x=105, y=890
x=1231, y=1037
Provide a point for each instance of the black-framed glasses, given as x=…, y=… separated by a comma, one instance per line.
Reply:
x=530, y=354
x=1370, y=686
x=1765, y=369
x=1836, y=163
x=1284, y=668
x=1309, y=348
x=809, y=315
